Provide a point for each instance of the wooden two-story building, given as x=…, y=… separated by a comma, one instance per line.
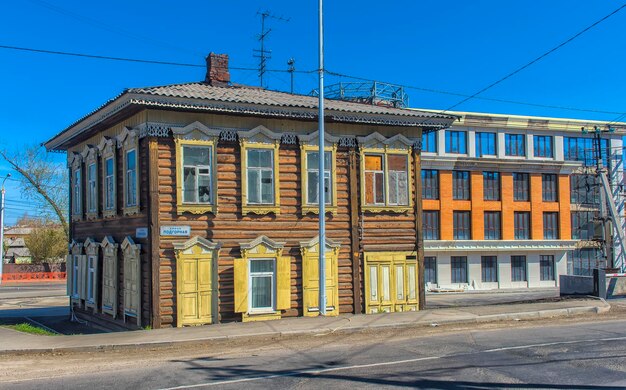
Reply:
x=196, y=203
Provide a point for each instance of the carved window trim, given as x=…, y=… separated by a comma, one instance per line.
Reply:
x=196, y=134
x=109, y=254
x=90, y=158
x=310, y=143
x=75, y=164
x=107, y=148
x=378, y=144
x=92, y=251
x=260, y=138
x=128, y=141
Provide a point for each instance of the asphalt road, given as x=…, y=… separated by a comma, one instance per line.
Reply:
x=579, y=356
x=478, y=298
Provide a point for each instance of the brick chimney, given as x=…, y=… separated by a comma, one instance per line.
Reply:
x=217, y=74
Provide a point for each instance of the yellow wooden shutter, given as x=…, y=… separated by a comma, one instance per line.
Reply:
x=283, y=283
x=68, y=274
x=240, y=281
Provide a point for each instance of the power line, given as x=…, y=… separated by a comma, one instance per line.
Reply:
x=516, y=71
x=136, y=60
x=443, y=92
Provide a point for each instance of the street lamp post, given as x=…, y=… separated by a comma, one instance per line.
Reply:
x=321, y=169
x=2, y=192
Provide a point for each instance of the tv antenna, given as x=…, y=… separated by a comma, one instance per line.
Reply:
x=262, y=54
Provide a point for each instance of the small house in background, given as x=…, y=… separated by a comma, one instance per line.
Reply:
x=196, y=203
x=15, y=245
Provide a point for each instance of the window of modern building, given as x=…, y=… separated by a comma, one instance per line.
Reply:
x=489, y=269
x=551, y=226
x=583, y=225
x=546, y=267
x=584, y=190
x=430, y=220
x=491, y=185
x=109, y=184
x=515, y=145
x=549, y=187
x=461, y=225
x=458, y=265
x=430, y=269
x=543, y=146
x=583, y=261
x=492, y=225
x=429, y=142
x=456, y=142
x=582, y=149
x=521, y=220
x=313, y=178
x=486, y=144
x=518, y=269
x=521, y=187
x=460, y=185
x=430, y=184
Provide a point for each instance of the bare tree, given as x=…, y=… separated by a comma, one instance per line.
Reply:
x=42, y=179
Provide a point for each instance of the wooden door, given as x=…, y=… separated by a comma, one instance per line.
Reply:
x=109, y=285
x=390, y=282
x=194, y=278
x=311, y=285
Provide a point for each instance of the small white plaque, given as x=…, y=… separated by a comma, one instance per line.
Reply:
x=176, y=231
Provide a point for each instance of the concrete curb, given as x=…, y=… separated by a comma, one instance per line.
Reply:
x=539, y=314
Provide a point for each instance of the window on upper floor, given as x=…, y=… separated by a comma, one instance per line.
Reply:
x=430, y=222
x=130, y=188
x=109, y=184
x=430, y=184
x=429, y=142
x=515, y=145
x=551, y=226
x=549, y=187
x=585, y=190
x=313, y=178
x=92, y=188
x=461, y=228
x=460, y=185
x=486, y=144
x=130, y=145
x=386, y=179
x=521, y=187
x=260, y=175
x=584, y=225
x=77, y=192
x=491, y=186
x=521, y=222
x=456, y=142
x=542, y=146
x=309, y=152
x=582, y=149
x=492, y=225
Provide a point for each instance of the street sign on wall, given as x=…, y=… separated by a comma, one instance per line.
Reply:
x=176, y=231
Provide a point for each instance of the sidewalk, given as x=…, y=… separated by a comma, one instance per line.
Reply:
x=15, y=342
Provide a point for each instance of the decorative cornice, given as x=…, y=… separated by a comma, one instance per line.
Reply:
x=129, y=243
x=313, y=139
x=498, y=245
x=262, y=240
x=108, y=241
x=204, y=243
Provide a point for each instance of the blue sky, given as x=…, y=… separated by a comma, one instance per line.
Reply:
x=455, y=46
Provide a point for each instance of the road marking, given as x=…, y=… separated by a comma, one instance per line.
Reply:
x=390, y=363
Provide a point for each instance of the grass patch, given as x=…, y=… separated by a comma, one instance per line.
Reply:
x=28, y=328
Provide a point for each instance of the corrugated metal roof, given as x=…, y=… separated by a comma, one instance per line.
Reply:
x=251, y=95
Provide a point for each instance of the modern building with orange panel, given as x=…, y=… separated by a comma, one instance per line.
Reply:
x=513, y=201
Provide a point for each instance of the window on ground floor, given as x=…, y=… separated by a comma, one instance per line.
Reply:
x=583, y=261
x=430, y=269
x=518, y=269
x=489, y=269
x=459, y=269
x=546, y=267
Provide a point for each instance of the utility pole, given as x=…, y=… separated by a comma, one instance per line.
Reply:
x=262, y=54
x=611, y=222
x=321, y=198
x=2, y=193
x=291, y=70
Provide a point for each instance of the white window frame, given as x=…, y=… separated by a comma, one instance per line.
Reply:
x=271, y=169
x=197, y=169
x=327, y=176
x=384, y=165
x=397, y=173
x=251, y=276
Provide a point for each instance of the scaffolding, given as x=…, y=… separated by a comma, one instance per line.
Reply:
x=370, y=92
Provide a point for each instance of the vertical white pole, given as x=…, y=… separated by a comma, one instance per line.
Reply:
x=321, y=198
x=2, y=193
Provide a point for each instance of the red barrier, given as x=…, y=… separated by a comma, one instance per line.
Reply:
x=33, y=276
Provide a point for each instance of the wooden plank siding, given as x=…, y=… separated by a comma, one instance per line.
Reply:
x=121, y=226
x=230, y=228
